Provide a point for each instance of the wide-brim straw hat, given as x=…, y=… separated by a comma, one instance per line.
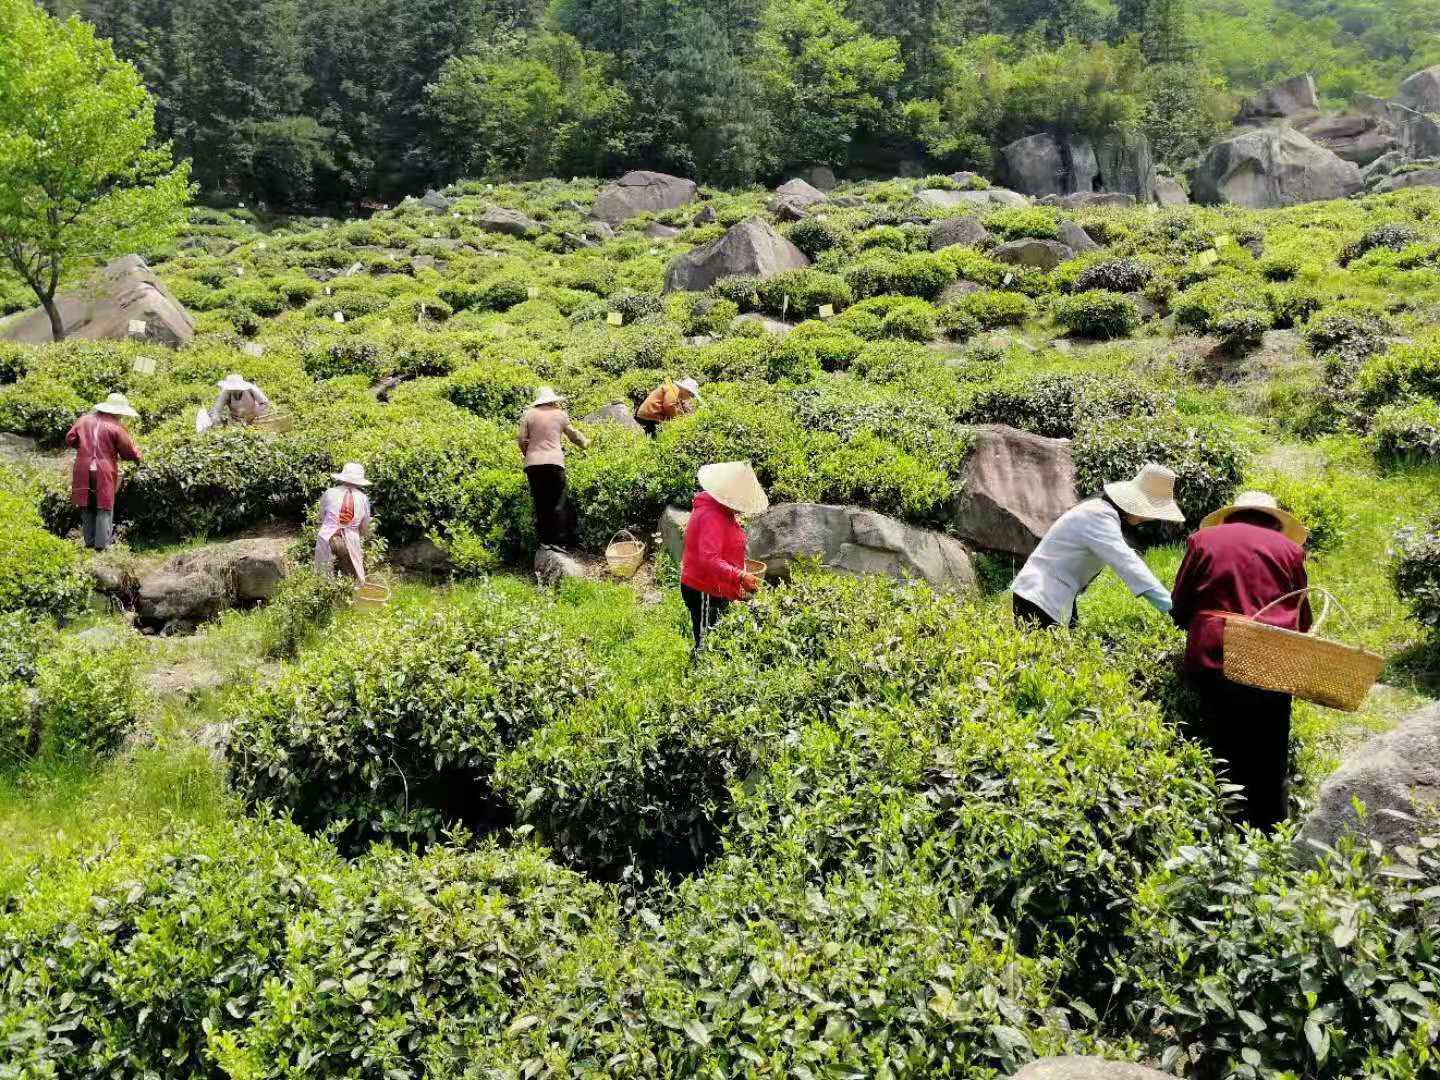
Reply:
x=691, y=387
x=116, y=405
x=734, y=484
x=547, y=396
x=1265, y=504
x=1150, y=495
x=353, y=473
x=235, y=382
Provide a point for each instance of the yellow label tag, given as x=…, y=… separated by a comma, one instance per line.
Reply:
x=502, y=329
x=827, y=310
x=533, y=292
x=144, y=365
x=1223, y=239
x=1209, y=258
x=615, y=318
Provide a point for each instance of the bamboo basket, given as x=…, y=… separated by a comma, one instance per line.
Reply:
x=275, y=422
x=1307, y=666
x=624, y=556
x=371, y=596
x=756, y=567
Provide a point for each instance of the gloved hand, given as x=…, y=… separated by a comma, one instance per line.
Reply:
x=1159, y=599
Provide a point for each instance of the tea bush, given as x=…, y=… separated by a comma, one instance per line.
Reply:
x=393, y=721
x=989, y=309
x=1205, y=456
x=1401, y=373
x=881, y=273
x=91, y=694
x=1113, y=275
x=302, y=607
x=1039, y=222
x=1249, y=963
x=1406, y=433
x=1292, y=305
x=911, y=320
x=1242, y=330
x=498, y=392
x=40, y=406
x=1415, y=571
x=1201, y=306
x=1349, y=331
x=40, y=574
x=1321, y=509
x=1096, y=314
x=799, y=294
x=1058, y=405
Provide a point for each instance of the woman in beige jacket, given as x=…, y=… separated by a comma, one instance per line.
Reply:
x=543, y=429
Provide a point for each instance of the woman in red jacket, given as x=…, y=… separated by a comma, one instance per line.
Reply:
x=100, y=440
x=712, y=571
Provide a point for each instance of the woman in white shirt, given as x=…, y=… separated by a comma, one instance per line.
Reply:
x=1089, y=537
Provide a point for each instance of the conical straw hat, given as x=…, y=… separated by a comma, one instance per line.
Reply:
x=734, y=484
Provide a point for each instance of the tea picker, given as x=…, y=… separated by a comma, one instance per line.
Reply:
x=100, y=441
x=541, y=437
x=1089, y=537
x=1242, y=594
x=239, y=402
x=345, y=521
x=713, y=568
x=666, y=402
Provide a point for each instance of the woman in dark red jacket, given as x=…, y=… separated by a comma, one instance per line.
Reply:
x=100, y=440
x=712, y=571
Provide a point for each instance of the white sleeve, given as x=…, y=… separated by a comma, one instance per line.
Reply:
x=1103, y=536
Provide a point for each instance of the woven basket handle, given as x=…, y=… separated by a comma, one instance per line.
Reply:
x=623, y=532
x=1324, y=594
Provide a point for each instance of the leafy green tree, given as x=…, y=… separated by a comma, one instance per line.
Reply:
x=81, y=178
x=823, y=79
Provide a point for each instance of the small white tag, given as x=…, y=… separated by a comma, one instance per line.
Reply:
x=137, y=326
x=1008, y=278
x=339, y=316
x=144, y=365
x=826, y=310
x=654, y=251
x=615, y=318
x=329, y=291
x=251, y=348
x=533, y=292
x=239, y=271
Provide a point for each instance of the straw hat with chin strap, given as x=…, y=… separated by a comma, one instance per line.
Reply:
x=691, y=387
x=735, y=485
x=547, y=396
x=1258, y=501
x=353, y=473
x=116, y=405
x=1151, y=495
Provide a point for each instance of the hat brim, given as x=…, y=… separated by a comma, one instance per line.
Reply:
x=349, y=480
x=1289, y=524
x=1127, y=495
x=116, y=410
x=737, y=491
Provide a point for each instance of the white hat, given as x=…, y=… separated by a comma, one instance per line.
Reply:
x=353, y=473
x=1150, y=495
x=734, y=484
x=235, y=381
x=116, y=405
x=546, y=396
x=691, y=387
x=1266, y=504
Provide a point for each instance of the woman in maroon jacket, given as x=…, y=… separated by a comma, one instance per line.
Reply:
x=712, y=569
x=1244, y=558
x=100, y=440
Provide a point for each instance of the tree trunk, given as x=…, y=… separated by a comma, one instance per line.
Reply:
x=57, y=324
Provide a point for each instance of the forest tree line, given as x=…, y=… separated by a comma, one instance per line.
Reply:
x=328, y=102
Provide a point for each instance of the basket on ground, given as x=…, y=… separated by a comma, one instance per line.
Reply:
x=275, y=422
x=624, y=556
x=1307, y=666
x=373, y=594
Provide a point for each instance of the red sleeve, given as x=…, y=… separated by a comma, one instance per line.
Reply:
x=710, y=550
x=72, y=437
x=125, y=446
x=1184, y=596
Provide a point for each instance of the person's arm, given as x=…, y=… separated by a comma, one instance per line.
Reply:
x=1104, y=538
x=260, y=398
x=522, y=436
x=575, y=435
x=72, y=437
x=219, y=409
x=125, y=445
x=709, y=547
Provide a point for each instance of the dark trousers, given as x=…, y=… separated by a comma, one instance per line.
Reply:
x=1033, y=616
x=705, y=611
x=98, y=525
x=554, y=524
x=650, y=426
x=1248, y=731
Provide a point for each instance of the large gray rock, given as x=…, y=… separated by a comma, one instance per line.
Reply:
x=1035, y=165
x=433, y=200
x=1421, y=91
x=821, y=177
x=1271, y=167
x=1028, y=251
x=1357, y=137
x=618, y=413
x=798, y=191
x=1086, y=1068
x=673, y=523
x=124, y=302
x=1419, y=134
x=752, y=247
x=981, y=200
x=196, y=585
x=422, y=557
x=500, y=219
x=1397, y=771
x=1089, y=200
x=963, y=230
x=1167, y=191
x=1381, y=167
x=1127, y=166
x=1427, y=177
x=553, y=567
x=657, y=231
x=1083, y=166
x=1289, y=98
x=1076, y=238
x=642, y=192
x=1015, y=485
x=858, y=541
